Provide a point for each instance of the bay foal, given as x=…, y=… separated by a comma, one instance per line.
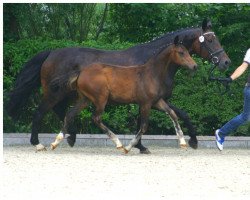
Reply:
x=145, y=85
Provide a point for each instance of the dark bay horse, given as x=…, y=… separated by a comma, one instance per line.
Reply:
x=144, y=85
x=50, y=65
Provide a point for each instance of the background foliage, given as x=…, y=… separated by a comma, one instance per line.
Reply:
x=31, y=28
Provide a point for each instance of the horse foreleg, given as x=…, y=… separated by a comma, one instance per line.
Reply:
x=139, y=145
x=193, y=142
x=163, y=106
x=144, y=115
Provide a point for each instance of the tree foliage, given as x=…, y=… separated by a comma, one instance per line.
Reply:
x=31, y=28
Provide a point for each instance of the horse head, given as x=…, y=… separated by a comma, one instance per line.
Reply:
x=182, y=56
x=208, y=46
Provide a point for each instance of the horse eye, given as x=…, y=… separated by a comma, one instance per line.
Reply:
x=181, y=53
x=210, y=40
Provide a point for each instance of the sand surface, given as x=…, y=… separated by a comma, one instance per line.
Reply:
x=106, y=173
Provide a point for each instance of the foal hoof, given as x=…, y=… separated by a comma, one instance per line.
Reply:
x=53, y=146
x=71, y=141
x=183, y=146
x=145, y=151
x=40, y=147
x=193, y=143
x=123, y=149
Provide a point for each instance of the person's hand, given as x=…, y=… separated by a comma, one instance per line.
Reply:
x=225, y=81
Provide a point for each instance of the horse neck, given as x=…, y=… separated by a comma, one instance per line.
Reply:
x=163, y=67
x=187, y=36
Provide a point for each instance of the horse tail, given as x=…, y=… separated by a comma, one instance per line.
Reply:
x=73, y=81
x=27, y=81
x=67, y=80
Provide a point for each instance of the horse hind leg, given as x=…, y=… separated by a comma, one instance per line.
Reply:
x=60, y=110
x=70, y=115
x=43, y=108
x=97, y=120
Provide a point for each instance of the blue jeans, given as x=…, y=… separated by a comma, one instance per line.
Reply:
x=244, y=117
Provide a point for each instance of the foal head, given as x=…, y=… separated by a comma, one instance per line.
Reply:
x=180, y=56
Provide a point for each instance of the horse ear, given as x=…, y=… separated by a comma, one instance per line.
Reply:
x=176, y=40
x=206, y=25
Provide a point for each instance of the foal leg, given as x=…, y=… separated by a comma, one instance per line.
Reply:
x=163, y=106
x=144, y=115
x=193, y=142
x=70, y=115
x=97, y=120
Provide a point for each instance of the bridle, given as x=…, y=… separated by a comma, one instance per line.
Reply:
x=213, y=56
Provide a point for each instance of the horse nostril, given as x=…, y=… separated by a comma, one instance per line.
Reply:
x=195, y=67
x=227, y=62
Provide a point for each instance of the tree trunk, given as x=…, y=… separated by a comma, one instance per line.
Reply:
x=100, y=28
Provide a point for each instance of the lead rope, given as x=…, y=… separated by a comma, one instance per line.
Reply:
x=219, y=81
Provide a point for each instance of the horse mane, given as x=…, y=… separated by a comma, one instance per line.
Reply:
x=170, y=35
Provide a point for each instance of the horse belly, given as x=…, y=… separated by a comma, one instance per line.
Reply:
x=122, y=88
x=122, y=93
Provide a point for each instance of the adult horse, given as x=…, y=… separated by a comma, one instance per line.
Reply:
x=50, y=65
x=145, y=85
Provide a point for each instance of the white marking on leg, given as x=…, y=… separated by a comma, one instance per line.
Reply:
x=179, y=132
x=59, y=138
x=131, y=144
x=115, y=139
x=134, y=141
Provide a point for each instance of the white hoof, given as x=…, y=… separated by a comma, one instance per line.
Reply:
x=40, y=147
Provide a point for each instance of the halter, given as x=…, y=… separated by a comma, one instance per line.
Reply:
x=213, y=55
x=215, y=60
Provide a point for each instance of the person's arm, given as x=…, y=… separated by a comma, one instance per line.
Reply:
x=239, y=71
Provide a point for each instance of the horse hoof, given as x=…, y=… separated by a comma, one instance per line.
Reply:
x=193, y=143
x=40, y=147
x=123, y=149
x=145, y=151
x=70, y=141
x=52, y=146
x=183, y=146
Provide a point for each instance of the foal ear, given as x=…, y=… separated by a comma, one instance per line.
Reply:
x=206, y=25
x=176, y=40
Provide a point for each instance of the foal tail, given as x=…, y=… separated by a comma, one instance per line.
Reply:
x=64, y=81
x=72, y=83
x=27, y=81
